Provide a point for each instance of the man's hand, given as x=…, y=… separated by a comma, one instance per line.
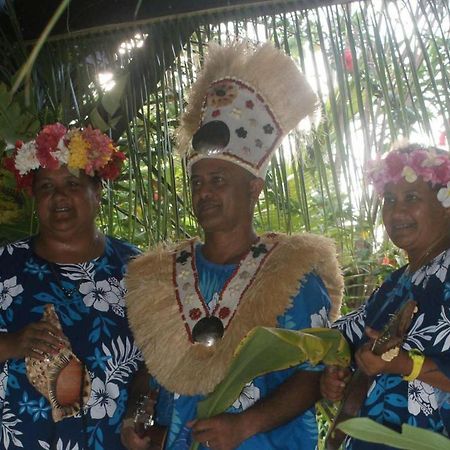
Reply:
x=131, y=440
x=221, y=432
x=333, y=382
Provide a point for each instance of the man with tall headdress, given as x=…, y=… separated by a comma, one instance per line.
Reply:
x=190, y=305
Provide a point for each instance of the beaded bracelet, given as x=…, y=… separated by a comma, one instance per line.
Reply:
x=417, y=359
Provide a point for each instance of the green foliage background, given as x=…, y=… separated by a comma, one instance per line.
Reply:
x=380, y=69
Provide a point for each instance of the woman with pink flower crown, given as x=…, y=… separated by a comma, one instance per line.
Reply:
x=66, y=352
x=409, y=383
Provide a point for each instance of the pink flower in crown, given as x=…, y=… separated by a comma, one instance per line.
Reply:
x=442, y=173
x=435, y=168
x=100, y=149
x=47, y=143
x=430, y=166
x=395, y=162
x=376, y=174
x=417, y=162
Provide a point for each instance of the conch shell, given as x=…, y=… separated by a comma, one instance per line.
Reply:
x=61, y=378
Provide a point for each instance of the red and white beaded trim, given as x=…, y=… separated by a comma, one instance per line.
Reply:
x=191, y=303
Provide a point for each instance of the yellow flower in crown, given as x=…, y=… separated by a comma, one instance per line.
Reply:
x=85, y=149
x=77, y=151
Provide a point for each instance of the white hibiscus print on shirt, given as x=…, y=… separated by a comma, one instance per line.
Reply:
x=421, y=398
x=3, y=383
x=101, y=294
x=9, y=289
x=59, y=445
x=249, y=395
x=102, y=401
x=352, y=323
x=9, y=433
x=320, y=319
x=438, y=267
x=10, y=247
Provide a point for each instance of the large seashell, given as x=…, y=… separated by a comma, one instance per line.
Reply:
x=62, y=379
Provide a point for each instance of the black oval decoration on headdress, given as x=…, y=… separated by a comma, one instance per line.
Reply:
x=212, y=136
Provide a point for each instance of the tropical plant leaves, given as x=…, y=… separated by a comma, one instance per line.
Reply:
x=411, y=438
x=265, y=350
x=16, y=120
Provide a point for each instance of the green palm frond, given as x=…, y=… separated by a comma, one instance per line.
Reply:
x=380, y=70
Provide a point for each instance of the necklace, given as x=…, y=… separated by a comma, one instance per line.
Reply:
x=69, y=293
x=205, y=326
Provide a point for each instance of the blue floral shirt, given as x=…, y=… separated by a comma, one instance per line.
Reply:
x=309, y=309
x=93, y=319
x=391, y=400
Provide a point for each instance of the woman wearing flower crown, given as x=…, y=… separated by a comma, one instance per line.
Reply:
x=66, y=352
x=411, y=381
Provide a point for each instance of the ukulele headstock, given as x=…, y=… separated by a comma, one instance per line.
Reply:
x=393, y=332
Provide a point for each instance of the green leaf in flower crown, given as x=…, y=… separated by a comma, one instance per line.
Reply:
x=411, y=438
x=265, y=350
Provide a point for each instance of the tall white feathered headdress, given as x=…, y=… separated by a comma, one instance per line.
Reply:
x=244, y=102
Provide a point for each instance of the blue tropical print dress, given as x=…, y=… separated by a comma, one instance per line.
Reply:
x=93, y=319
x=310, y=309
x=392, y=401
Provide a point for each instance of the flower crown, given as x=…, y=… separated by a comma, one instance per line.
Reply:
x=410, y=163
x=55, y=146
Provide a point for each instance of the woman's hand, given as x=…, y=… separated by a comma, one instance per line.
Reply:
x=372, y=364
x=333, y=382
x=37, y=340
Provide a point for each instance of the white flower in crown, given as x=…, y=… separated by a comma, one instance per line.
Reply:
x=433, y=160
x=443, y=196
x=62, y=154
x=409, y=174
x=26, y=158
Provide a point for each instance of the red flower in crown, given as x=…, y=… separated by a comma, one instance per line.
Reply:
x=112, y=170
x=47, y=142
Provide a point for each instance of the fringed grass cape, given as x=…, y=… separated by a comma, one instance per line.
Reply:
x=191, y=368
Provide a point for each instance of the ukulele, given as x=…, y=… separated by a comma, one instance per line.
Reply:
x=391, y=337
x=144, y=424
